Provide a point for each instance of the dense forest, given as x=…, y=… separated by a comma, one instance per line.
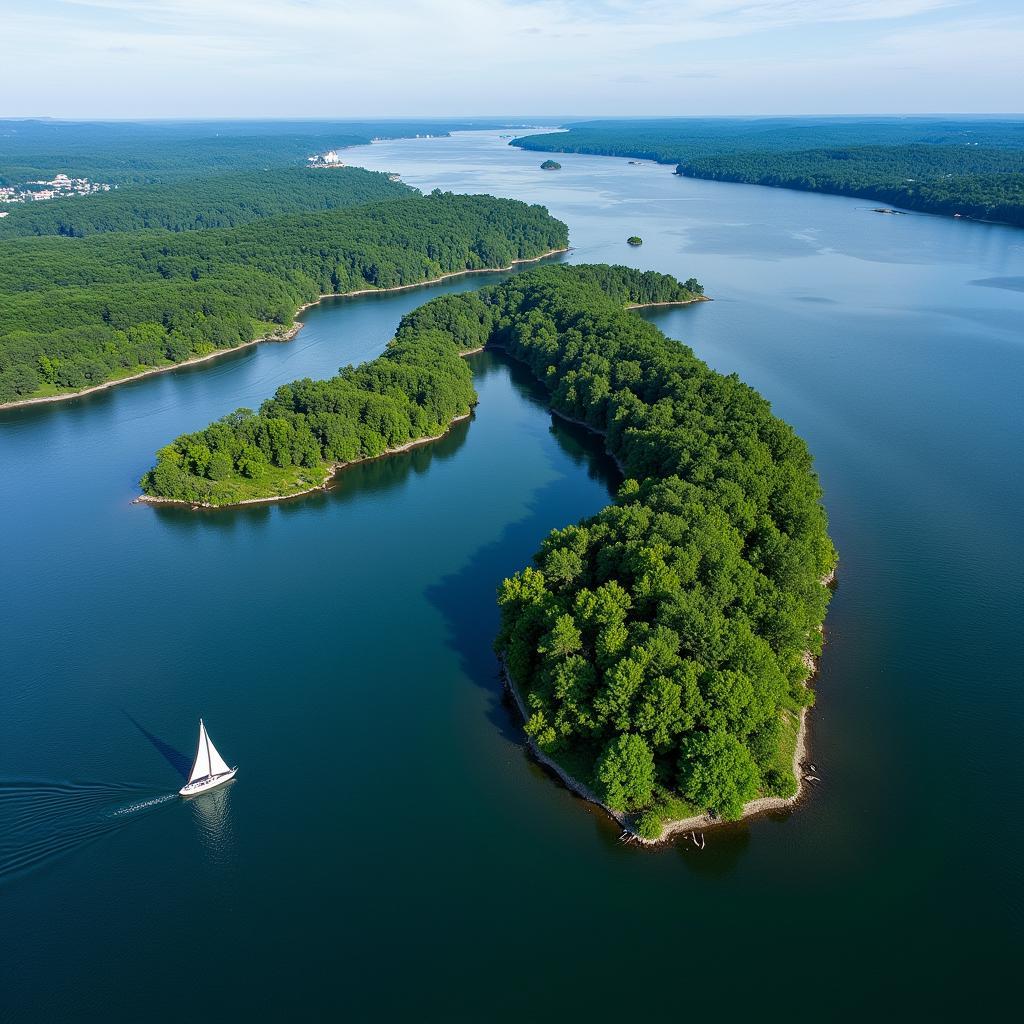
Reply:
x=221, y=201
x=672, y=140
x=79, y=311
x=974, y=168
x=987, y=184
x=659, y=645
x=412, y=391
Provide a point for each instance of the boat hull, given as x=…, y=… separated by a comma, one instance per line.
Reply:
x=205, y=785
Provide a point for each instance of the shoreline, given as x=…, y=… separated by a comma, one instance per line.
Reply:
x=324, y=485
x=285, y=335
x=703, y=822
x=676, y=302
x=592, y=430
x=640, y=160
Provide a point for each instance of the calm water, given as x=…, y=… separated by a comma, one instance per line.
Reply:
x=388, y=851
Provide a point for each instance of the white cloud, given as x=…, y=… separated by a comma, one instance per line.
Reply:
x=345, y=58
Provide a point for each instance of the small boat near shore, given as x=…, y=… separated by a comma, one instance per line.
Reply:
x=209, y=769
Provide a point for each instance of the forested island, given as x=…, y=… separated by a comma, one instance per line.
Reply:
x=953, y=167
x=551, y=165
x=79, y=312
x=659, y=648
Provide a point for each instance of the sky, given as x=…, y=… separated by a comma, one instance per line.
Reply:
x=411, y=58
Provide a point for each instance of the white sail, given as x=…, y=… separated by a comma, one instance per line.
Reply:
x=201, y=768
x=217, y=763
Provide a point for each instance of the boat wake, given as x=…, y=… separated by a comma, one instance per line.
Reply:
x=144, y=805
x=41, y=820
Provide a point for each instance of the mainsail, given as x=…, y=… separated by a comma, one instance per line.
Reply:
x=208, y=760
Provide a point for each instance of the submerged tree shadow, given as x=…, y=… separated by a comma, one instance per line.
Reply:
x=466, y=598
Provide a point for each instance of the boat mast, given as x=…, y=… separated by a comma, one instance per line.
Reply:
x=209, y=760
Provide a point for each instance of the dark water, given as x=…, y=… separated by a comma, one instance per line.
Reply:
x=388, y=851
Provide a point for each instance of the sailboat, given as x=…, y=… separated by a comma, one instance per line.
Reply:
x=209, y=770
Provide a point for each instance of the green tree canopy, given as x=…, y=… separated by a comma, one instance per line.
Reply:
x=625, y=771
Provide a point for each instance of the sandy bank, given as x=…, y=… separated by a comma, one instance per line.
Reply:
x=677, y=302
x=697, y=822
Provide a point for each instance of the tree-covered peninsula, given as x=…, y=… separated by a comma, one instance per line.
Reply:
x=77, y=312
x=658, y=647
x=412, y=392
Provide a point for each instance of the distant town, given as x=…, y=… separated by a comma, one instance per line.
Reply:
x=59, y=187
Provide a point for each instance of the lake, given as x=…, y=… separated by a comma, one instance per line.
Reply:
x=389, y=851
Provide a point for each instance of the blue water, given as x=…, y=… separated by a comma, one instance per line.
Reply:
x=388, y=851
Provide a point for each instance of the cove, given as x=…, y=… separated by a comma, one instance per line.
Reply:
x=425, y=867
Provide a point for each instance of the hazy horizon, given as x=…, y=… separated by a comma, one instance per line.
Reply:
x=521, y=120
x=322, y=60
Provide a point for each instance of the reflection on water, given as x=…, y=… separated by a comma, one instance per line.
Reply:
x=211, y=812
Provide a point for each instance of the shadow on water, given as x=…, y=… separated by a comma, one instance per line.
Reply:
x=466, y=598
x=42, y=819
x=175, y=758
x=724, y=847
x=466, y=602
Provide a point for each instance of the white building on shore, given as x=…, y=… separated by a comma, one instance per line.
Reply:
x=329, y=159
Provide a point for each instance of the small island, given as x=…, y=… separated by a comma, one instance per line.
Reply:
x=635, y=240
x=551, y=165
